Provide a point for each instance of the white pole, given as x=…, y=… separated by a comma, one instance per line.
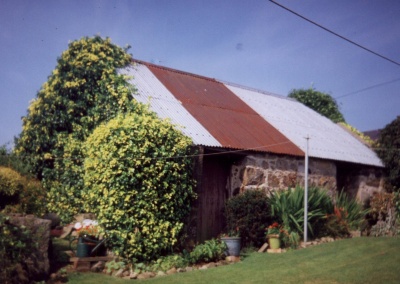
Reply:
x=306, y=191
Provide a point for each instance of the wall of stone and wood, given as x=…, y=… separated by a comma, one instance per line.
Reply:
x=221, y=176
x=272, y=172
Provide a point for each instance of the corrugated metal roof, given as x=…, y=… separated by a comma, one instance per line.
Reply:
x=225, y=116
x=230, y=116
x=296, y=121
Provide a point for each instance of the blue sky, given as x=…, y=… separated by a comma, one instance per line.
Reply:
x=254, y=43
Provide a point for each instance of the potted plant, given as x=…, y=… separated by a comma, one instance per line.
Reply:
x=87, y=229
x=88, y=233
x=233, y=242
x=274, y=235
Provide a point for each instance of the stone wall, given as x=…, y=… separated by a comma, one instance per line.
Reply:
x=36, y=266
x=271, y=172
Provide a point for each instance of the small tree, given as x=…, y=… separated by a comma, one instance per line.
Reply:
x=322, y=103
x=139, y=183
x=389, y=151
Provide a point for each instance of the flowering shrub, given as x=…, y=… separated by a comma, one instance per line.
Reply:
x=139, y=184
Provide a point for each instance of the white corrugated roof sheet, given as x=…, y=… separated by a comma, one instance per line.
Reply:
x=152, y=91
x=296, y=122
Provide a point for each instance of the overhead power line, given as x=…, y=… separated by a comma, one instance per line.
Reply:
x=336, y=34
x=369, y=88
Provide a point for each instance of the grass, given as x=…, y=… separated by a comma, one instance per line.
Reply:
x=357, y=260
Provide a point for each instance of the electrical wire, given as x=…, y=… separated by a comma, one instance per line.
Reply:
x=336, y=34
x=173, y=157
x=368, y=88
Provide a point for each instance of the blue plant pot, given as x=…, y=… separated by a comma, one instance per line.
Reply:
x=233, y=244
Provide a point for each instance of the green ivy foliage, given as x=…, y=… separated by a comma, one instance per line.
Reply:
x=138, y=183
x=84, y=90
x=322, y=103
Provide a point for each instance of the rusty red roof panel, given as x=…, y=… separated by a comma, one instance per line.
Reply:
x=230, y=120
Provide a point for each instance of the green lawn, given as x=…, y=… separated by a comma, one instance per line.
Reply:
x=358, y=260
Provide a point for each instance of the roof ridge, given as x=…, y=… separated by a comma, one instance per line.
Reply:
x=256, y=90
x=213, y=79
x=176, y=71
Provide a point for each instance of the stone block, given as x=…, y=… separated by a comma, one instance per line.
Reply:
x=232, y=258
x=171, y=271
x=279, y=250
x=263, y=248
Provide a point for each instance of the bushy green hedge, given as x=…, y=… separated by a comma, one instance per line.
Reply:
x=138, y=183
x=248, y=214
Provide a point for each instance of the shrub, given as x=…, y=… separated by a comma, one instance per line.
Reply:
x=336, y=224
x=287, y=208
x=353, y=213
x=383, y=214
x=211, y=250
x=19, y=194
x=381, y=204
x=11, y=182
x=248, y=213
x=139, y=184
x=167, y=262
x=9, y=159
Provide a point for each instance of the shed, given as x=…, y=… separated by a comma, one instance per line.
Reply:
x=248, y=139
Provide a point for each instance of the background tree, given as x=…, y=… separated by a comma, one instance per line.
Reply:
x=322, y=103
x=389, y=151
